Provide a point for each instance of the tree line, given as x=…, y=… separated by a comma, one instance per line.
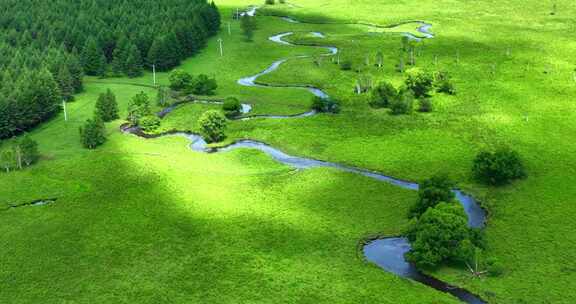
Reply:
x=46, y=47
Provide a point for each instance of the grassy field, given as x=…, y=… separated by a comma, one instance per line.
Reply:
x=148, y=221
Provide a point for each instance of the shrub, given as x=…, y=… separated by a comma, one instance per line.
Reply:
x=212, y=125
x=383, y=95
x=494, y=267
x=93, y=133
x=180, y=80
x=443, y=83
x=346, y=65
x=149, y=123
x=403, y=104
x=107, y=107
x=419, y=82
x=270, y=2
x=441, y=234
x=325, y=105
x=232, y=107
x=498, y=168
x=425, y=105
x=432, y=191
x=203, y=85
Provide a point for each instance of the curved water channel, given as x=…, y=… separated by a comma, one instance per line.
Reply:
x=387, y=253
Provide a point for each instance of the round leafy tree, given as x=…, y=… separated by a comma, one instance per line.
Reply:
x=180, y=80
x=498, y=168
x=419, y=82
x=212, y=125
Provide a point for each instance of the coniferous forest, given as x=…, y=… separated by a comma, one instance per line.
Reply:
x=46, y=47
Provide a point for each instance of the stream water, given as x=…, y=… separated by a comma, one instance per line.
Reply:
x=387, y=253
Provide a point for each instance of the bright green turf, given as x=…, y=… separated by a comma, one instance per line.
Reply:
x=148, y=221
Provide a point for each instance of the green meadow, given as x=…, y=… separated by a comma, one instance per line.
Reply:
x=150, y=221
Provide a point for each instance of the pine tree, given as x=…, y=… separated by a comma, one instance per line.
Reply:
x=65, y=82
x=93, y=133
x=248, y=26
x=93, y=60
x=76, y=71
x=107, y=107
x=133, y=63
x=46, y=94
x=119, y=56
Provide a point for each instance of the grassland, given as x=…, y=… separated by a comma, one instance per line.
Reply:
x=148, y=221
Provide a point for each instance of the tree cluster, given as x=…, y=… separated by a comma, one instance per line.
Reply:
x=440, y=231
x=418, y=86
x=19, y=154
x=46, y=47
x=184, y=82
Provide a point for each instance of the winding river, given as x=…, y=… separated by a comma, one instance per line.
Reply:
x=387, y=253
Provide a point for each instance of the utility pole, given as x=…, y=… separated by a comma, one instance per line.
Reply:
x=229, y=29
x=221, y=50
x=154, y=73
x=65, y=113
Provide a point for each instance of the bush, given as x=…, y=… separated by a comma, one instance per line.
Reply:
x=232, y=107
x=383, y=95
x=270, y=2
x=212, y=125
x=203, y=85
x=107, y=107
x=419, y=82
x=149, y=123
x=93, y=133
x=494, y=267
x=498, y=168
x=441, y=234
x=325, y=105
x=180, y=80
x=403, y=104
x=432, y=191
x=443, y=83
x=346, y=65
x=425, y=105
